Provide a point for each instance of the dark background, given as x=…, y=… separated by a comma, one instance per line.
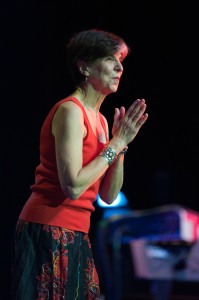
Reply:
x=161, y=165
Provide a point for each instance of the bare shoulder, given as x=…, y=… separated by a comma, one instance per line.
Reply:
x=70, y=108
x=68, y=113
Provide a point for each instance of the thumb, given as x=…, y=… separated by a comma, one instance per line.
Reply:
x=117, y=113
x=122, y=112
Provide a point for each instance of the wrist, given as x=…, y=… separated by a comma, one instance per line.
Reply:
x=117, y=144
x=109, y=154
x=124, y=150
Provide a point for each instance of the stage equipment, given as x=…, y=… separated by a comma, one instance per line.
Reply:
x=164, y=247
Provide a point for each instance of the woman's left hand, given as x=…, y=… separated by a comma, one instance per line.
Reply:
x=119, y=114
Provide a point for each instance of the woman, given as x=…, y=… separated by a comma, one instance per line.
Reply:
x=53, y=258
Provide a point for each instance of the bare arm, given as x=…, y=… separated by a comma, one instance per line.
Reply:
x=113, y=179
x=68, y=130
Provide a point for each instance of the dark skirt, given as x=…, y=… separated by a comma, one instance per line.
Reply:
x=53, y=263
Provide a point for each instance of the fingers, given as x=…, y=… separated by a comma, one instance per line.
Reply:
x=142, y=120
x=138, y=112
x=129, y=123
x=117, y=113
x=134, y=113
x=122, y=112
x=134, y=108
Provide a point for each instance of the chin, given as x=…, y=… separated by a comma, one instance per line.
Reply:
x=110, y=89
x=113, y=89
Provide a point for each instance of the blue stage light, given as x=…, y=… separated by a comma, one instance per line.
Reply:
x=120, y=201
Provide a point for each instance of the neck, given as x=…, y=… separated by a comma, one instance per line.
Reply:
x=90, y=98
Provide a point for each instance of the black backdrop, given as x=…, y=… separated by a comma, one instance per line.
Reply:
x=161, y=165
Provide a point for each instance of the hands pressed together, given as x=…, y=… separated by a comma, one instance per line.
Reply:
x=126, y=125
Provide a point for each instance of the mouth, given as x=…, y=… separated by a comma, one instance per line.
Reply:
x=117, y=79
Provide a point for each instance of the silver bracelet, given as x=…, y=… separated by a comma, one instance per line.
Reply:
x=109, y=154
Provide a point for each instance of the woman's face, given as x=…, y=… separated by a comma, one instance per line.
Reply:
x=105, y=73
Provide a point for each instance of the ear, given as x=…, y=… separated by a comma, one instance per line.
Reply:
x=83, y=67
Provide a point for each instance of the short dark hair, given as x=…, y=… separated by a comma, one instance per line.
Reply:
x=89, y=46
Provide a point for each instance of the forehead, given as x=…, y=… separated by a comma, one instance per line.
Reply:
x=123, y=51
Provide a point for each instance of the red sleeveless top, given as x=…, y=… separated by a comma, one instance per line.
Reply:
x=47, y=203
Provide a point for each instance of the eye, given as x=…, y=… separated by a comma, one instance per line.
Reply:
x=111, y=58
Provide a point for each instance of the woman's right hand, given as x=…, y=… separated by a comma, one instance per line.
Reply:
x=129, y=125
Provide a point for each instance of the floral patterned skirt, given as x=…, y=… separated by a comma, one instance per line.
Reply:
x=52, y=263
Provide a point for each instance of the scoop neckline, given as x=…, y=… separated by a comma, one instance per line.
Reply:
x=72, y=97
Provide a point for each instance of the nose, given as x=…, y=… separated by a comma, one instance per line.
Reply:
x=118, y=66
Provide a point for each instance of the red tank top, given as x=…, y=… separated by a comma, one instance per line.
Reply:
x=47, y=203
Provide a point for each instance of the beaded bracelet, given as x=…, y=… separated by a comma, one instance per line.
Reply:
x=109, y=154
x=124, y=150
